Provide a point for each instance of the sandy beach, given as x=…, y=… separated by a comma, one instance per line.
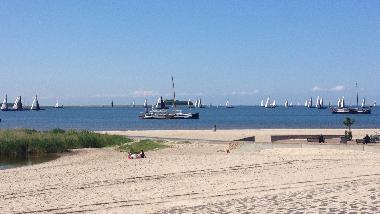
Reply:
x=261, y=135
x=197, y=177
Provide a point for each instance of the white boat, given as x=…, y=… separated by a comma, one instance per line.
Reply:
x=306, y=103
x=4, y=105
x=270, y=105
x=17, y=106
x=286, y=104
x=228, y=105
x=57, y=105
x=262, y=103
x=133, y=104
x=163, y=113
x=35, y=104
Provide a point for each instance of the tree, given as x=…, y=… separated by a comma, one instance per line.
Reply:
x=348, y=122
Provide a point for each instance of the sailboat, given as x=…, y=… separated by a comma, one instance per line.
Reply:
x=262, y=103
x=160, y=104
x=17, y=106
x=189, y=104
x=133, y=104
x=35, y=105
x=57, y=105
x=162, y=113
x=228, y=105
x=270, y=105
x=145, y=103
x=286, y=104
x=342, y=109
x=4, y=105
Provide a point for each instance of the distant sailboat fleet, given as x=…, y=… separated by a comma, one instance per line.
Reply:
x=18, y=105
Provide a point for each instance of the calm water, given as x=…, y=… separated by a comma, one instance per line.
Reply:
x=7, y=163
x=242, y=117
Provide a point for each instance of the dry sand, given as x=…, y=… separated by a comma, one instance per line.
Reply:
x=196, y=178
x=261, y=135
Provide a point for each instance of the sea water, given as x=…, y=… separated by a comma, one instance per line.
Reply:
x=240, y=117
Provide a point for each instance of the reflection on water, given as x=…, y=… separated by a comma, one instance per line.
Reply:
x=7, y=163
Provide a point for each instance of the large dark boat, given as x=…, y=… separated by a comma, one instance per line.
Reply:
x=342, y=109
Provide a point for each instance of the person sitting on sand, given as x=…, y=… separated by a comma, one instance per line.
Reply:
x=142, y=154
x=367, y=139
x=321, y=139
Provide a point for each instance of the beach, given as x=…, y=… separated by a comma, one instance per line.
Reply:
x=261, y=135
x=196, y=176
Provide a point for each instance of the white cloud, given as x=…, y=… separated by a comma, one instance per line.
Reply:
x=144, y=93
x=338, y=88
x=244, y=93
x=316, y=88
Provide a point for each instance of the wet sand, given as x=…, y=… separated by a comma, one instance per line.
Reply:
x=196, y=178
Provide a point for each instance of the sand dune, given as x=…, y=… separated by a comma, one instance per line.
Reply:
x=196, y=178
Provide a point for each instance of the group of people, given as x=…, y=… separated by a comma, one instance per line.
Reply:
x=141, y=154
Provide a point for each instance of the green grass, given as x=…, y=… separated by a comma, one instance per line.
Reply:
x=146, y=145
x=22, y=142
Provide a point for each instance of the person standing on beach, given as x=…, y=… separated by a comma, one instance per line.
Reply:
x=366, y=139
x=321, y=139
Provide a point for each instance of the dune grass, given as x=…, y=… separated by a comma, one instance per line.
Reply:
x=22, y=142
x=146, y=145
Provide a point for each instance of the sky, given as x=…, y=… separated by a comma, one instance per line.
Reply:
x=92, y=52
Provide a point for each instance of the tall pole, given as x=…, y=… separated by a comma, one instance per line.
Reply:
x=357, y=94
x=173, y=93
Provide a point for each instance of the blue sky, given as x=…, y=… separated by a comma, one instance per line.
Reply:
x=92, y=52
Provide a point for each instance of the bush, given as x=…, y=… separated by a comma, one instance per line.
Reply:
x=22, y=142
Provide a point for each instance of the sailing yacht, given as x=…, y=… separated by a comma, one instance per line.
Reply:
x=17, y=106
x=228, y=105
x=162, y=113
x=4, y=105
x=262, y=103
x=35, y=104
x=189, y=104
x=286, y=104
x=145, y=103
x=270, y=105
x=57, y=105
x=160, y=104
x=342, y=109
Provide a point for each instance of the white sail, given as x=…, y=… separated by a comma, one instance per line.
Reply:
x=196, y=104
x=286, y=103
x=17, y=104
x=189, y=103
x=227, y=103
x=133, y=104
x=363, y=102
x=339, y=102
x=145, y=103
x=274, y=103
x=56, y=104
x=291, y=104
x=317, y=103
x=200, y=103
x=321, y=102
x=306, y=103
x=35, y=104
x=262, y=103
x=267, y=103
x=4, y=105
x=342, y=104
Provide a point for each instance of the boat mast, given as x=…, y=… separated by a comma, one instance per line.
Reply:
x=173, y=93
x=357, y=94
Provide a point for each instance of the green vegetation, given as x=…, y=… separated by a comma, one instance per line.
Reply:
x=348, y=122
x=146, y=145
x=23, y=142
